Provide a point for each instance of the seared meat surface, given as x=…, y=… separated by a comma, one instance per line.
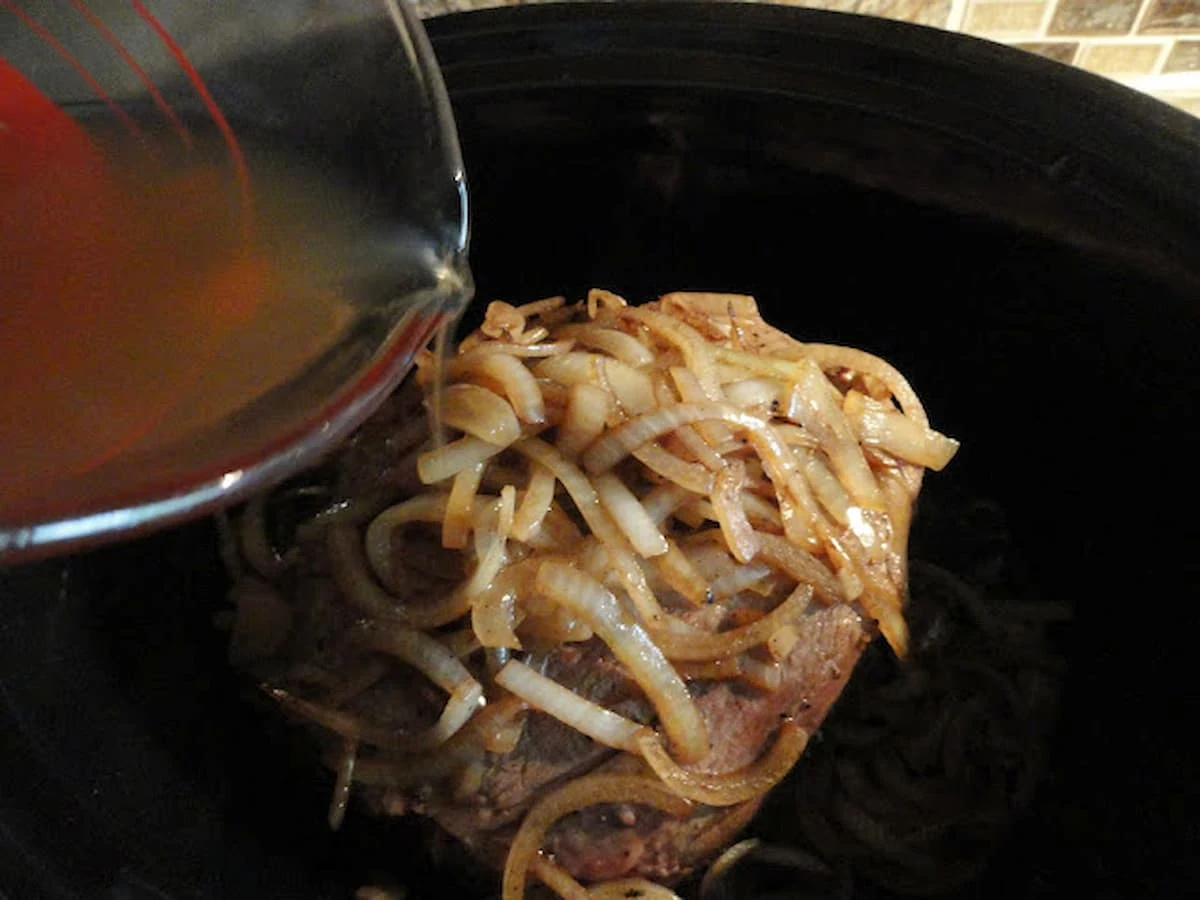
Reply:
x=590, y=627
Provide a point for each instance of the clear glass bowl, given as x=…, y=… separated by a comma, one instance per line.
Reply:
x=242, y=111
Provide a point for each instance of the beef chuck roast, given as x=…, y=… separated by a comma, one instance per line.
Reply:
x=605, y=843
x=481, y=798
x=479, y=784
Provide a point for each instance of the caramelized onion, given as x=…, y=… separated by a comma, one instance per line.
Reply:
x=727, y=788
x=697, y=352
x=494, y=615
x=349, y=567
x=828, y=490
x=677, y=571
x=617, y=344
x=630, y=516
x=342, y=785
x=438, y=664
x=721, y=669
x=664, y=500
x=636, y=433
x=588, y=790
x=692, y=391
x=830, y=356
x=450, y=459
x=588, y=503
x=545, y=694
x=782, y=642
x=898, y=434
x=631, y=388
x=430, y=508
x=460, y=511
x=701, y=456
x=762, y=675
x=720, y=311
x=557, y=879
x=689, y=475
x=697, y=646
x=738, y=579
x=255, y=545
x=476, y=411
x=802, y=566
x=632, y=646
x=507, y=370
x=354, y=728
x=584, y=419
x=541, y=307
x=817, y=405
x=731, y=514
x=625, y=888
x=535, y=504
x=600, y=300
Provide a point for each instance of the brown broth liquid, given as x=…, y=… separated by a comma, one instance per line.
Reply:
x=144, y=302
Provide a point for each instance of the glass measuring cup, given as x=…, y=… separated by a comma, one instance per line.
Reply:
x=225, y=231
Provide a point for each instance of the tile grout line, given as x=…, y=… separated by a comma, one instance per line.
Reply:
x=1168, y=46
x=1048, y=17
x=1101, y=40
x=1135, y=29
x=957, y=17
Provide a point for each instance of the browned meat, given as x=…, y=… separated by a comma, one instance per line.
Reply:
x=606, y=842
x=726, y=606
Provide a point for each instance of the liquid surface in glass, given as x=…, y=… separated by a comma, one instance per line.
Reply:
x=152, y=288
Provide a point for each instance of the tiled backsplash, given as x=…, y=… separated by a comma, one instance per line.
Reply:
x=1150, y=45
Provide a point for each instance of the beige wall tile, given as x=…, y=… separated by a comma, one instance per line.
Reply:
x=1172, y=16
x=1121, y=59
x=1094, y=16
x=1004, y=17
x=1184, y=58
x=1187, y=102
x=922, y=12
x=1059, y=51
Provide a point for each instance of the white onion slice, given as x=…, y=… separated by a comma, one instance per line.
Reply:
x=588, y=790
x=449, y=459
x=588, y=599
x=699, y=646
x=511, y=374
x=630, y=516
x=535, y=505
x=545, y=694
x=617, y=344
x=476, y=411
x=897, y=434
x=817, y=405
x=348, y=565
x=584, y=419
x=689, y=475
x=434, y=660
x=460, y=508
x=731, y=514
x=697, y=352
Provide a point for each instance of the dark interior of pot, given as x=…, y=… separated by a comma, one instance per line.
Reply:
x=1016, y=237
